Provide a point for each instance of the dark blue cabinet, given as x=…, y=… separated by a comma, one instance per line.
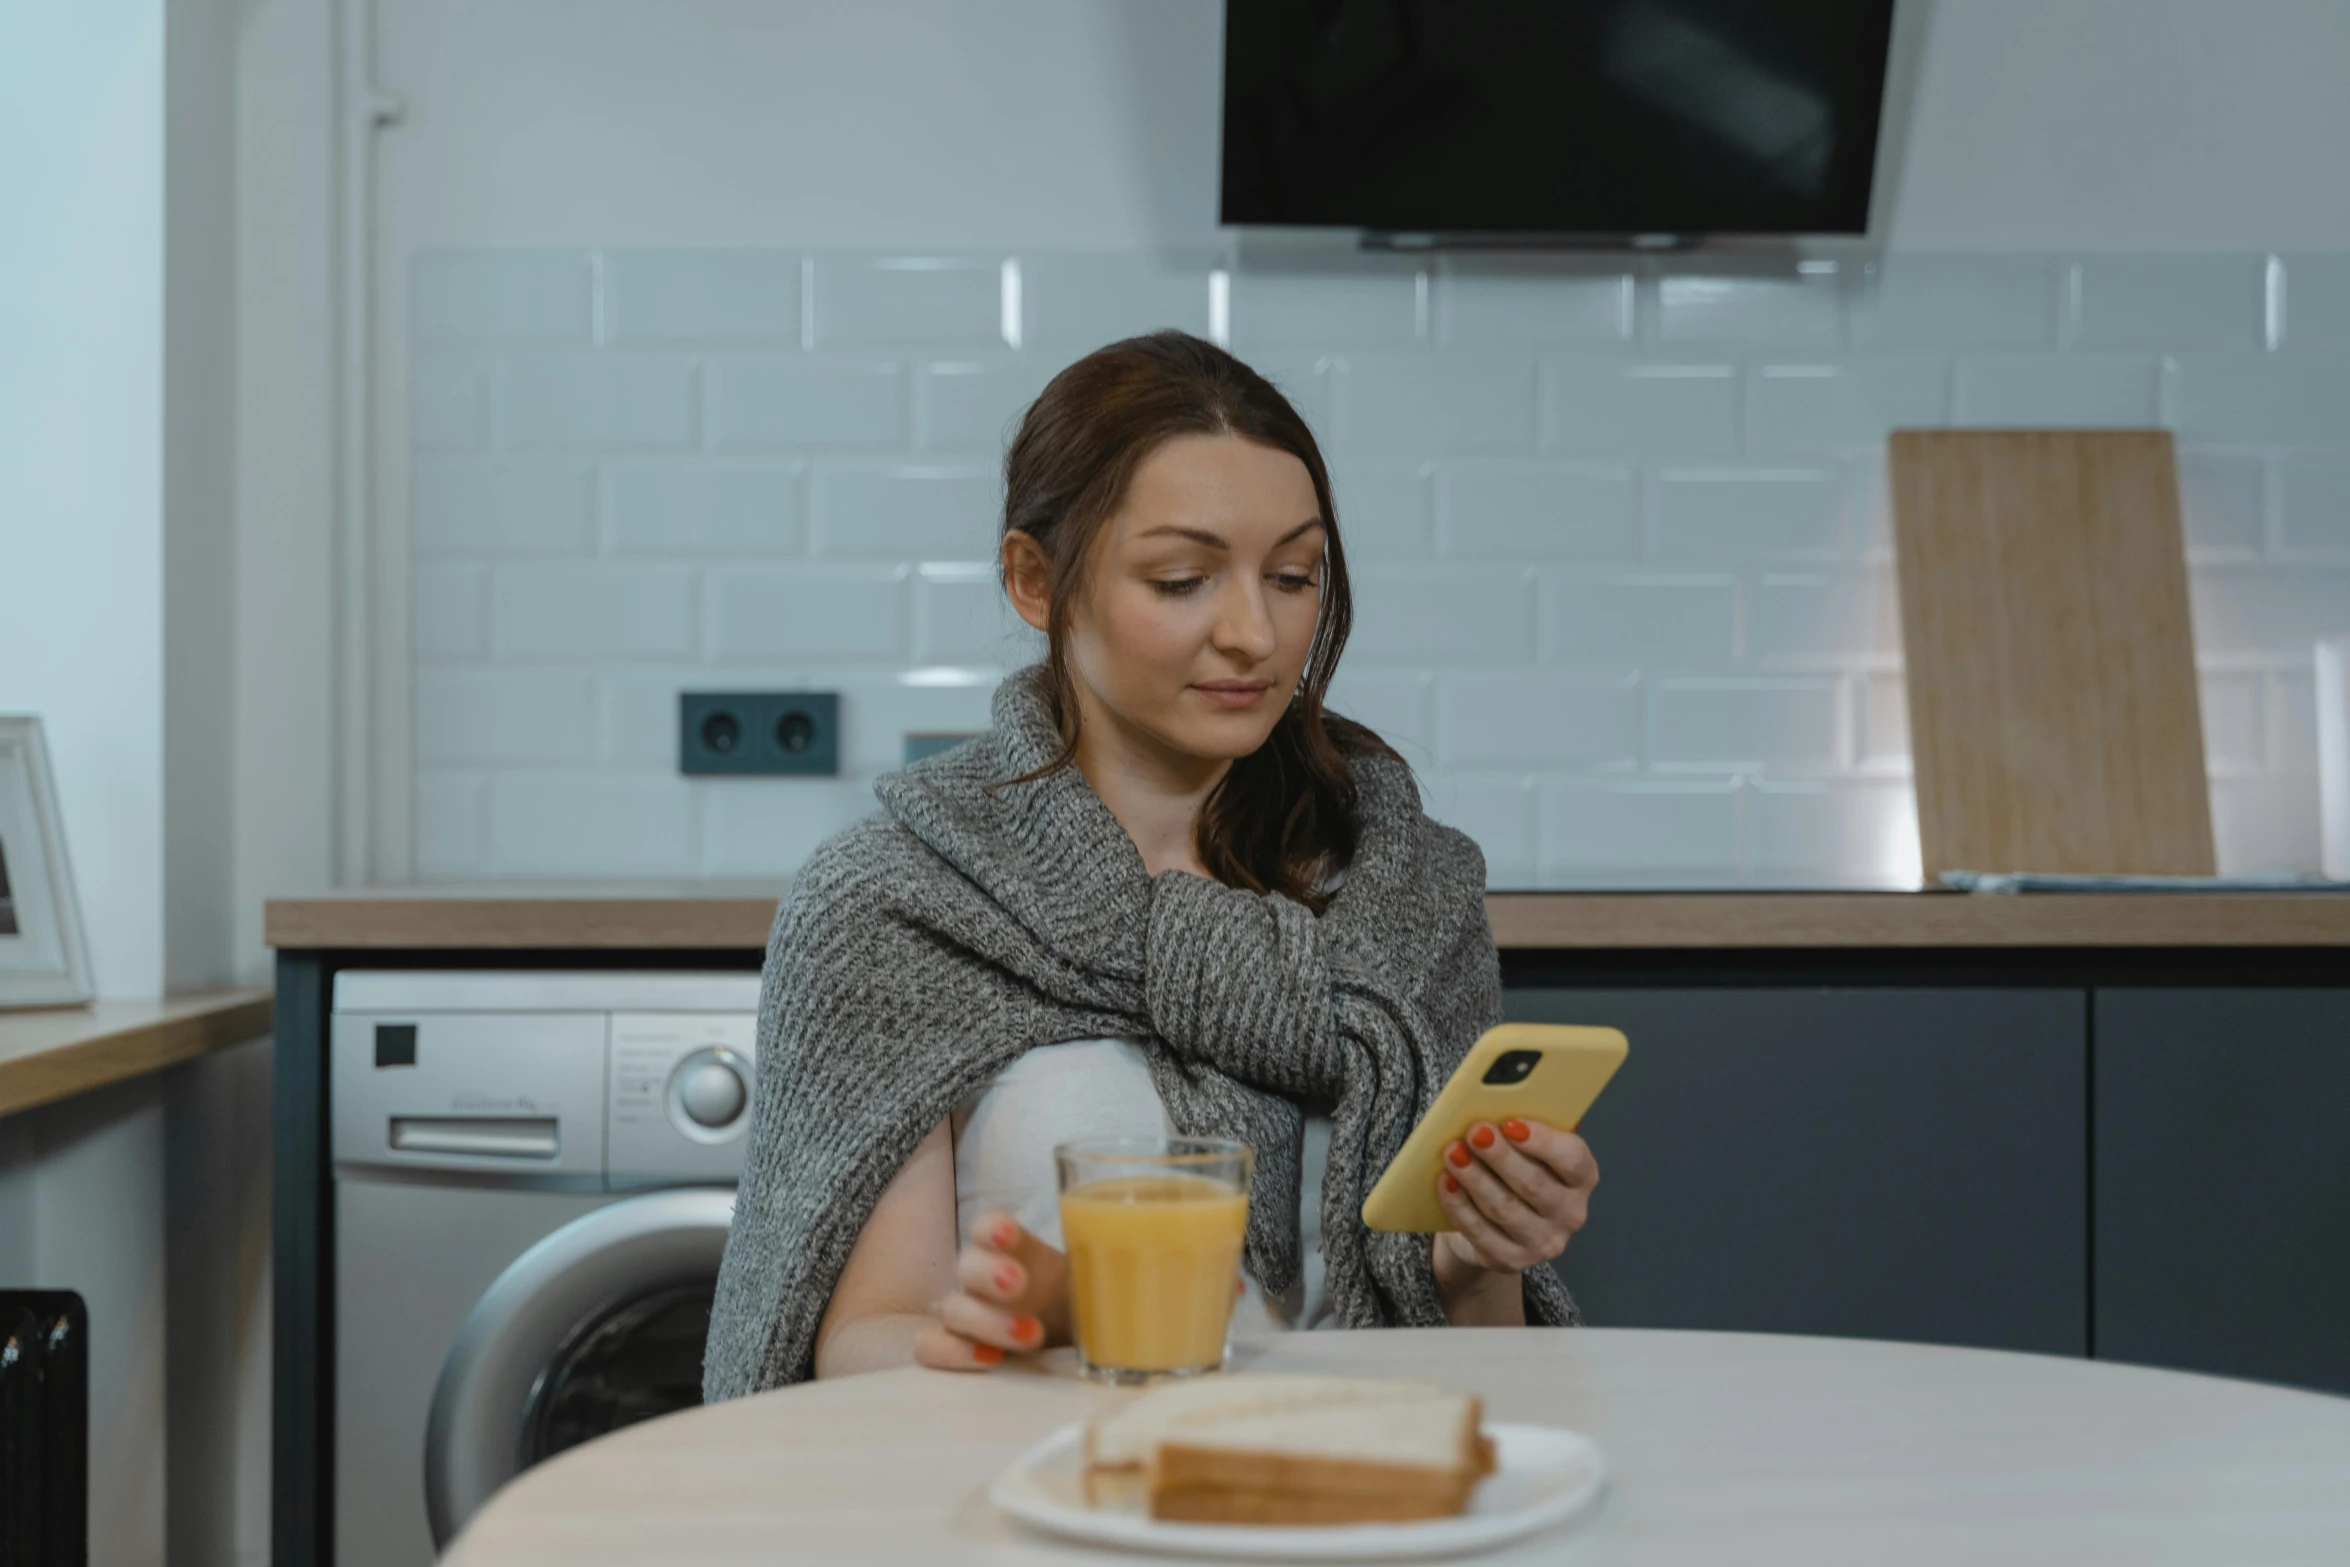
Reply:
x=1899, y=1163
x=2222, y=1168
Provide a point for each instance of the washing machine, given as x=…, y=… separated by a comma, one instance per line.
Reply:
x=533, y=1175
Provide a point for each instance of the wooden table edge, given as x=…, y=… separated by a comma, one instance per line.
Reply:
x=109, y=1051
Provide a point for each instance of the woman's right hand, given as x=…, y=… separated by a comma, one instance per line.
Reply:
x=1011, y=1295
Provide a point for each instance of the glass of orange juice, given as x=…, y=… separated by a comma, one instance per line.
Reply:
x=1153, y=1227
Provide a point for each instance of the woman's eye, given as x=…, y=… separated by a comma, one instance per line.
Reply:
x=1294, y=582
x=1176, y=587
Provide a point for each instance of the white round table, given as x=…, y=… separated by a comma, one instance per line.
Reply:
x=1722, y=1448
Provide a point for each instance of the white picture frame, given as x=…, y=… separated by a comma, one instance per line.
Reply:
x=44, y=958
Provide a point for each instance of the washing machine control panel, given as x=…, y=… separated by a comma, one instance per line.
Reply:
x=679, y=1104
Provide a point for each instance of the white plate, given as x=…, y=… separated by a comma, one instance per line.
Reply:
x=1542, y=1477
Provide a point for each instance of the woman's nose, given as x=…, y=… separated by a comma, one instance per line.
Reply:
x=1244, y=625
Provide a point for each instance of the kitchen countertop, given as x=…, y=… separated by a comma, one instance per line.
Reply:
x=720, y=916
x=56, y=1052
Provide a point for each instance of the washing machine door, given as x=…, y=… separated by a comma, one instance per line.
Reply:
x=597, y=1326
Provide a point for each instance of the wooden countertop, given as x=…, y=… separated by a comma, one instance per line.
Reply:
x=735, y=917
x=56, y=1052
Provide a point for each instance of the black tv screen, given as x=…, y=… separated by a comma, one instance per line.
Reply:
x=1553, y=116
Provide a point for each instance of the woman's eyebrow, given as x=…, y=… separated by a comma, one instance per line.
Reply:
x=1216, y=541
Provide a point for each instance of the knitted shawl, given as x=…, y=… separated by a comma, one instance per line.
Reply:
x=924, y=949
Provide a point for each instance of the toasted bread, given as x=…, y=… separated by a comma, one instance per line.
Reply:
x=1414, y=1457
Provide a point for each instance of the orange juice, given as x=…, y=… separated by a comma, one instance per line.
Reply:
x=1152, y=1259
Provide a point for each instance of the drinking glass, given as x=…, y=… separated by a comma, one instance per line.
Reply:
x=1153, y=1228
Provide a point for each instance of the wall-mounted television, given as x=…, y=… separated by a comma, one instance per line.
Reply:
x=1531, y=118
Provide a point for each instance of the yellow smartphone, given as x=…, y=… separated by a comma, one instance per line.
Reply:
x=1543, y=1072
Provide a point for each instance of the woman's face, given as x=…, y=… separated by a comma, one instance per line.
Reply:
x=1201, y=598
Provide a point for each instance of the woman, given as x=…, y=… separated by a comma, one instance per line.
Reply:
x=1165, y=892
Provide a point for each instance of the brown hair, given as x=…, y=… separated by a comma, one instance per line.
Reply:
x=1283, y=818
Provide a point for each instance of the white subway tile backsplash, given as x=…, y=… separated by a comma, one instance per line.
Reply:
x=1618, y=410
x=737, y=297
x=1956, y=301
x=814, y=403
x=2067, y=391
x=586, y=400
x=451, y=608
x=808, y=612
x=1419, y=407
x=2232, y=718
x=2249, y=401
x=1511, y=302
x=707, y=506
x=1385, y=510
x=2174, y=302
x=592, y=612
x=899, y=511
x=502, y=506
x=1538, y=511
x=976, y=406
x=1845, y=407
x=1498, y=812
x=766, y=827
x=537, y=297
x=1640, y=833
x=1746, y=723
x=1365, y=302
x=2313, y=510
x=1629, y=612
x=528, y=717
x=962, y=617
x=2270, y=609
x=2221, y=503
x=1640, y=620
x=590, y=824
x=1801, y=311
x=450, y=837
x=2316, y=305
x=1537, y=719
x=1859, y=833
x=1397, y=705
x=907, y=301
x=1443, y=613
x=1805, y=619
x=1742, y=514
x=448, y=404
x=1077, y=302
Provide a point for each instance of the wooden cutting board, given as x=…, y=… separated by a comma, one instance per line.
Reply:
x=2053, y=717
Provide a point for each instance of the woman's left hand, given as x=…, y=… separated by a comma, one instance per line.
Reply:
x=1516, y=1194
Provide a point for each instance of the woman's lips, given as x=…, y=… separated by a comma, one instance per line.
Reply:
x=1234, y=693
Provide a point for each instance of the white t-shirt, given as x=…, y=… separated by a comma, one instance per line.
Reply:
x=1004, y=1138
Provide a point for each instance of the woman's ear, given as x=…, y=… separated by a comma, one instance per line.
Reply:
x=1028, y=577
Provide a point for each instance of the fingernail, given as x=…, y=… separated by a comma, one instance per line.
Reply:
x=1027, y=1329
x=1457, y=1156
x=1007, y=1278
x=1481, y=1135
x=1577, y=1127
x=1003, y=1234
x=1450, y=1184
x=986, y=1354
x=1516, y=1130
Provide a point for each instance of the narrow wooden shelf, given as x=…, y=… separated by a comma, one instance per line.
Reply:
x=57, y=1052
x=720, y=918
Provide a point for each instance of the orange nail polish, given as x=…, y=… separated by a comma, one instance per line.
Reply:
x=986, y=1354
x=1450, y=1184
x=1458, y=1156
x=1516, y=1130
x=1027, y=1329
x=1007, y=1278
x=1003, y=1233
x=1481, y=1135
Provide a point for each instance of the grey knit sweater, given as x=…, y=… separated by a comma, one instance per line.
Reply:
x=925, y=948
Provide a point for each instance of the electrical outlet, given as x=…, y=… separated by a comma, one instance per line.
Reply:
x=759, y=733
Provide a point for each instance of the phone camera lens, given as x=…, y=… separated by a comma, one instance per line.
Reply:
x=1512, y=1066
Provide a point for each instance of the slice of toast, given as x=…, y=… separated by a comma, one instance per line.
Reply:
x=1119, y=1444
x=1399, y=1458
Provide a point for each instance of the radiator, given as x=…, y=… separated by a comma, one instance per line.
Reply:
x=44, y=1429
